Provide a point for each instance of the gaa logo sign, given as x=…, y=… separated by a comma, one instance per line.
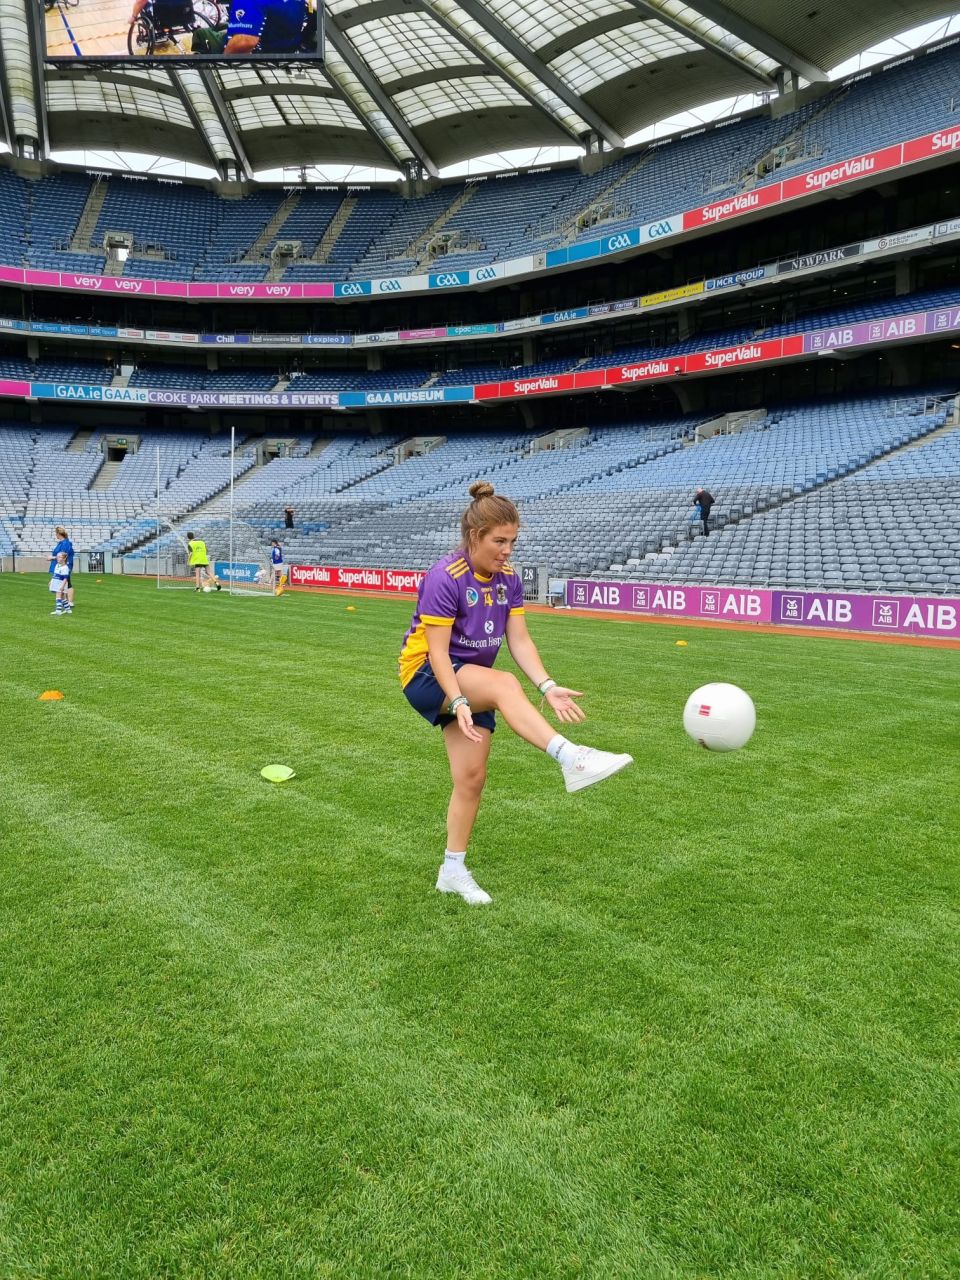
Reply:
x=351, y=289
x=486, y=273
x=621, y=241
x=389, y=286
x=448, y=279
x=660, y=229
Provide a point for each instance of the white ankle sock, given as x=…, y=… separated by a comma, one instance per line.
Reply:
x=561, y=750
x=453, y=861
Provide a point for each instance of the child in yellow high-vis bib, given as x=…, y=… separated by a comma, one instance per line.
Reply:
x=200, y=564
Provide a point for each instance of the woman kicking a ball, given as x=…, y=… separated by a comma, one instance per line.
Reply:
x=468, y=603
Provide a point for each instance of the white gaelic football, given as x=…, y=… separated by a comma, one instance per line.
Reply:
x=721, y=717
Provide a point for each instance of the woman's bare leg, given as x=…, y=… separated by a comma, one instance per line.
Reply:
x=468, y=769
x=489, y=690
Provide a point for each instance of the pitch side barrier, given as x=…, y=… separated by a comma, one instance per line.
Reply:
x=913, y=240
x=909, y=327
x=851, y=173
x=931, y=616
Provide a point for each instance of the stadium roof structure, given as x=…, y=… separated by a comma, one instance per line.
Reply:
x=417, y=85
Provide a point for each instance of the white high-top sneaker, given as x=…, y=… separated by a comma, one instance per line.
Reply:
x=462, y=882
x=593, y=766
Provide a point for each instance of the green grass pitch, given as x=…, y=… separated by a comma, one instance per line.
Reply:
x=708, y=1028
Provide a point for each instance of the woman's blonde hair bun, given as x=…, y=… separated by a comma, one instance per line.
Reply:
x=485, y=511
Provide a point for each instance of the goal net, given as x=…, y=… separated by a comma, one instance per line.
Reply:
x=237, y=552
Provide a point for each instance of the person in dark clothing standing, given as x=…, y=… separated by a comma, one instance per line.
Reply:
x=704, y=500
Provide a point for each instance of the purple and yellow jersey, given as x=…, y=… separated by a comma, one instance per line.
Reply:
x=477, y=608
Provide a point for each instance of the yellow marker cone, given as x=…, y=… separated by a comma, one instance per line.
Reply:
x=681, y=644
x=351, y=608
x=277, y=772
x=51, y=695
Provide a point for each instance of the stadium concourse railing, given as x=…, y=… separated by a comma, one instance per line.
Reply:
x=855, y=171
x=910, y=326
x=911, y=240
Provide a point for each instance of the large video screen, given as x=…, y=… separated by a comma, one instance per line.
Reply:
x=183, y=32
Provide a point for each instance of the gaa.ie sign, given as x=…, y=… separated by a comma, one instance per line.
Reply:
x=236, y=572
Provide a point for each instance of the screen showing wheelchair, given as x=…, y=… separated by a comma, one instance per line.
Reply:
x=221, y=31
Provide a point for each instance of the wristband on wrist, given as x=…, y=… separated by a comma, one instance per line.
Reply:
x=459, y=701
x=545, y=686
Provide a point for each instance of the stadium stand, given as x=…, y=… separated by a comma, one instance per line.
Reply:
x=619, y=500
x=181, y=220
x=848, y=494
x=57, y=465
x=184, y=232
x=16, y=466
x=191, y=377
x=368, y=215
x=54, y=207
x=186, y=377
x=880, y=529
x=875, y=111
x=96, y=373
x=238, y=229
x=387, y=254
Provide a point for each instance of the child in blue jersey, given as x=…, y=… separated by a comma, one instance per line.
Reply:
x=66, y=546
x=59, y=584
x=469, y=603
x=276, y=561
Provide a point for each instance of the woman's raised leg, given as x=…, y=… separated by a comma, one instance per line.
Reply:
x=490, y=690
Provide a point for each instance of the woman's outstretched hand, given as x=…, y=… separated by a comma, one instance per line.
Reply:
x=564, y=707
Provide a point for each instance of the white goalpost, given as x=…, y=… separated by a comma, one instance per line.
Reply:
x=238, y=553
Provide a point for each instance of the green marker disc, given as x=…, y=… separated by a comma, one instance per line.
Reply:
x=277, y=772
